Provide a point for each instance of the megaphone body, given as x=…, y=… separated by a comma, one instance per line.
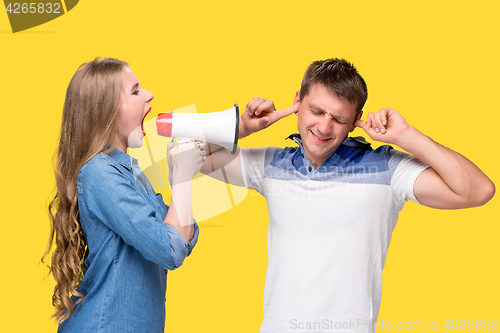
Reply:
x=221, y=127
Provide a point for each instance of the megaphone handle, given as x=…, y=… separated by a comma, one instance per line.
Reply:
x=183, y=141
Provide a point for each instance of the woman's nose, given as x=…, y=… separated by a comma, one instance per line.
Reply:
x=149, y=96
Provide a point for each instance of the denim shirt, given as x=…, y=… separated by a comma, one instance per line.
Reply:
x=130, y=249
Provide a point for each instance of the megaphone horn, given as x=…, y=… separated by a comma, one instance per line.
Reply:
x=221, y=127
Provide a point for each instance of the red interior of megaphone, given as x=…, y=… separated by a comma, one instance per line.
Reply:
x=164, y=124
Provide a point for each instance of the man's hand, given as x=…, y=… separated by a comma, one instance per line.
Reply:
x=260, y=114
x=451, y=182
x=386, y=126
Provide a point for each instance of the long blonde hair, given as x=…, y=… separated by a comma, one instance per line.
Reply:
x=88, y=128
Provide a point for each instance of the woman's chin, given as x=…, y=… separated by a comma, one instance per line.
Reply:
x=136, y=145
x=136, y=139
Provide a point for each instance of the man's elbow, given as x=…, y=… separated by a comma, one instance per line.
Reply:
x=489, y=192
x=484, y=194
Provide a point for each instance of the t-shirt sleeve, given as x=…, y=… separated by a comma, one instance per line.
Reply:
x=406, y=168
x=252, y=167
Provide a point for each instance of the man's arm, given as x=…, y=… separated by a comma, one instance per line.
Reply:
x=451, y=182
x=259, y=114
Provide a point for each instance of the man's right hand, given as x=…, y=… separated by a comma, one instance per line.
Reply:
x=261, y=113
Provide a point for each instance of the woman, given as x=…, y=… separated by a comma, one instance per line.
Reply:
x=115, y=239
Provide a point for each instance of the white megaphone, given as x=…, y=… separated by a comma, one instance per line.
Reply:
x=221, y=127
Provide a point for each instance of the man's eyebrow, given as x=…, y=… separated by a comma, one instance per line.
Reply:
x=334, y=116
x=315, y=107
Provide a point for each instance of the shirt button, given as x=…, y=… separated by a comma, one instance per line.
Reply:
x=165, y=271
x=310, y=169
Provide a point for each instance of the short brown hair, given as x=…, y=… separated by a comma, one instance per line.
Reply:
x=338, y=76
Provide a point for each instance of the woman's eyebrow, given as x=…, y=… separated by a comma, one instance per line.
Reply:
x=135, y=86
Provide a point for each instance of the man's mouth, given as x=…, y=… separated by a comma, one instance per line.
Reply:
x=319, y=139
x=142, y=124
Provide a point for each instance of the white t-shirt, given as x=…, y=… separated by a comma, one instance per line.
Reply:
x=329, y=231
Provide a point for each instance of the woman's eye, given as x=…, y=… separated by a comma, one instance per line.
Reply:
x=135, y=92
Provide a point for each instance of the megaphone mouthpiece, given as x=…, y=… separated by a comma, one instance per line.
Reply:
x=164, y=124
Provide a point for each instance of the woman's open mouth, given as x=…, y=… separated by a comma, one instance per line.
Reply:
x=142, y=124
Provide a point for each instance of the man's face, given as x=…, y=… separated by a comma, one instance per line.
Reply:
x=324, y=122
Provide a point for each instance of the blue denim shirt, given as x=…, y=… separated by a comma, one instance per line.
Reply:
x=130, y=249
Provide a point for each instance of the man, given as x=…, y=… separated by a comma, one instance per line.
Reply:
x=333, y=201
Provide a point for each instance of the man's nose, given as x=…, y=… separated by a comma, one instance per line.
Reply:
x=325, y=125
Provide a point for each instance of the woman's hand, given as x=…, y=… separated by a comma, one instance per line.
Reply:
x=186, y=161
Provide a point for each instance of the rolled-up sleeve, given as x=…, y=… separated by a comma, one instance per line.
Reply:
x=113, y=199
x=179, y=248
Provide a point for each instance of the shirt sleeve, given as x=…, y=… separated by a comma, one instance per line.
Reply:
x=179, y=249
x=252, y=167
x=406, y=168
x=114, y=200
x=174, y=234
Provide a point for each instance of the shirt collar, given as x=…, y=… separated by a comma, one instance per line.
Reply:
x=124, y=159
x=357, y=141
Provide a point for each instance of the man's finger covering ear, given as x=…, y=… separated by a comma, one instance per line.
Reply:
x=266, y=106
x=253, y=104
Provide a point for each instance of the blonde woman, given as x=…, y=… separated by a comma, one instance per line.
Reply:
x=114, y=237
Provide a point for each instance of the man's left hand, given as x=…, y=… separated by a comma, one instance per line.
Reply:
x=386, y=126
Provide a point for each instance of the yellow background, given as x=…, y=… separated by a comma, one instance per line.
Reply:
x=436, y=62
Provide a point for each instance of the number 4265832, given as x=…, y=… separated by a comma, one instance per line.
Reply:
x=33, y=8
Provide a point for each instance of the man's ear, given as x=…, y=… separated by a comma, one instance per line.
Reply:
x=357, y=118
x=296, y=100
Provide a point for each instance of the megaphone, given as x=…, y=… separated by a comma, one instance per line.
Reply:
x=221, y=127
